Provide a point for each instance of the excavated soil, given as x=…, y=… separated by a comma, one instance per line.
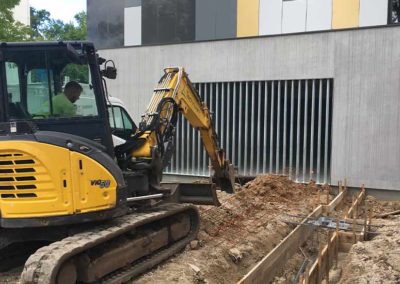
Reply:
x=236, y=235
x=377, y=260
x=239, y=233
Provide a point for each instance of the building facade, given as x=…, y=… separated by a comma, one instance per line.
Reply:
x=137, y=22
x=320, y=105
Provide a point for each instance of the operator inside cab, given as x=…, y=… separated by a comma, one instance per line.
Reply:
x=64, y=103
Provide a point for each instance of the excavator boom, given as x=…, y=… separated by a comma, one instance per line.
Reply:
x=175, y=93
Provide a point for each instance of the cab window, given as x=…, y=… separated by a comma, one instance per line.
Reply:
x=120, y=122
x=48, y=84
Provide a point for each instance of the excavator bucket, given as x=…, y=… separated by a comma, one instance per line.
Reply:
x=226, y=181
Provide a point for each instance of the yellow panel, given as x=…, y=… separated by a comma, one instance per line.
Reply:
x=345, y=14
x=45, y=190
x=94, y=187
x=247, y=18
x=43, y=180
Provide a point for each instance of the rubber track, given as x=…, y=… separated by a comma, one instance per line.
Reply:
x=42, y=267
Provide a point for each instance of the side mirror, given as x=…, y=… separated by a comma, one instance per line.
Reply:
x=109, y=72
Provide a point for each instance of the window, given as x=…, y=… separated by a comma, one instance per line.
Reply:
x=39, y=89
x=13, y=82
x=394, y=11
x=86, y=105
x=120, y=122
x=48, y=84
x=115, y=118
x=15, y=108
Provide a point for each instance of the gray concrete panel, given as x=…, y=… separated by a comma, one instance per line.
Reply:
x=205, y=19
x=215, y=19
x=363, y=63
x=366, y=122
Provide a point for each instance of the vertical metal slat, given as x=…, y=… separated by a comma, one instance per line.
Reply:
x=246, y=129
x=222, y=116
x=234, y=125
x=278, y=130
x=284, y=128
x=291, y=152
x=305, y=131
x=198, y=142
x=240, y=126
x=228, y=121
x=319, y=132
x=206, y=91
x=312, y=130
x=271, y=140
x=265, y=126
x=327, y=144
x=252, y=148
x=259, y=129
x=298, y=131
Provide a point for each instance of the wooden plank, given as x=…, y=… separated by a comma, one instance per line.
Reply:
x=266, y=269
x=353, y=208
x=324, y=261
x=335, y=202
x=397, y=212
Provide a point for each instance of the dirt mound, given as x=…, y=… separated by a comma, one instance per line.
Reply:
x=239, y=233
x=378, y=260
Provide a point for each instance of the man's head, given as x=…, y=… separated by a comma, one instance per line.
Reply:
x=72, y=91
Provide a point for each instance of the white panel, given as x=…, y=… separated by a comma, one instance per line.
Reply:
x=373, y=12
x=319, y=15
x=270, y=17
x=133, y=26
x=294, y=16
x=21, y=12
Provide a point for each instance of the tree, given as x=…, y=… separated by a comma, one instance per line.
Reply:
x=46, y=28
x=40, y=20
x=11, y=30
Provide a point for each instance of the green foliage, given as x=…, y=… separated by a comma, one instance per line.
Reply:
x=46, y=28
x=79, y=73
x=40, y=20
x=11, y=30
x=43, y=27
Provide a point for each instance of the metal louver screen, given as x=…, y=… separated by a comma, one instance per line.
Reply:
x=280, y=127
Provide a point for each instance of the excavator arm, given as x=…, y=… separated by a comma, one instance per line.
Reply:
x=155, y=135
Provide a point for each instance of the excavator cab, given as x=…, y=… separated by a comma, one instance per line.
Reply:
x=33, y=74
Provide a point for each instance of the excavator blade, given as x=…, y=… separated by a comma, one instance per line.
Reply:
x=195, y=193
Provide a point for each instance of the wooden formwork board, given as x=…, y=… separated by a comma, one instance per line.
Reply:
x=267, y=268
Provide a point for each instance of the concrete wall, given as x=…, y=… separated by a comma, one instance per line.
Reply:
x=364, y=64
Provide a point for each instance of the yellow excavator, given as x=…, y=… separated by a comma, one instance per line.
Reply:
x=97, y=213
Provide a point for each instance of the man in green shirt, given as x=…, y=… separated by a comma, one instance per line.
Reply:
x=63, y=104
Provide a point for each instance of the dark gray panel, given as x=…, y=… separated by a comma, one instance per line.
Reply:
x=133, y=3
x=106, y=23
x=226, y=19
x=168, y=21
x=205, y=19
x=215, y=19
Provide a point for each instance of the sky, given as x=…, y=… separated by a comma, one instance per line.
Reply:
x=64, y=10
